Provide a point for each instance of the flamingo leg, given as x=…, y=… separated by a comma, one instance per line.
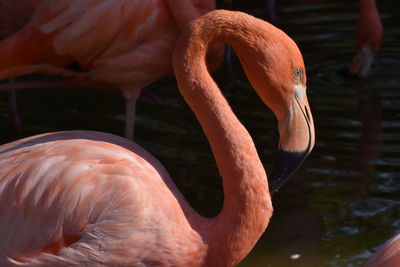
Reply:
x=15, y=120
x=270, y=13
x=234, y=81
x=130, y=110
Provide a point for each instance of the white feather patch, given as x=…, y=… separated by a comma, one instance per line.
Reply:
x=300, y=91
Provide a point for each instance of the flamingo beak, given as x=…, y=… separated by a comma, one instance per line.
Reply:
x=296, y=140
x=362, y=61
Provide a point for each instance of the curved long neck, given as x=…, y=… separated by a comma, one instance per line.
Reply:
x=369, y=27
x=247, y=204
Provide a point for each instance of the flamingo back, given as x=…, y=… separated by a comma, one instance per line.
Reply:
x=87, y=198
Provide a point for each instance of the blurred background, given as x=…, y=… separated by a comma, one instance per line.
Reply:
x=343, y=202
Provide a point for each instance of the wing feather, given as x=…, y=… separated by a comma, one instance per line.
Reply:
x=64, y=186
x=86, y=199
x=86, y=28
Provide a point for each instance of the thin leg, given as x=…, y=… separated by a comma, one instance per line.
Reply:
x=270, y=14
x=15, y=120
x=228, y=62
x=130, y=109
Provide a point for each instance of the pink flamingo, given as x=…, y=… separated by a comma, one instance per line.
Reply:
x=369, y=37
x=14, y=16
x=120, y=44
x=89, y=198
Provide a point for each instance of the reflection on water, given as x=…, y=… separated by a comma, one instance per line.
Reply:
x=343, y=202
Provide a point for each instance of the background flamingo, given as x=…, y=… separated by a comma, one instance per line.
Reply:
x=120, y=44
x=93, y=198
x=13, y=16
x=369, y=37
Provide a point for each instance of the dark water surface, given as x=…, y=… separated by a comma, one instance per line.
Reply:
x=343, y=202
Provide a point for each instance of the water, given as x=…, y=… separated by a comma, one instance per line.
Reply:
x=343, y=202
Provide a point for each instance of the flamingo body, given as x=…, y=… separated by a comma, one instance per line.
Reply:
x=93, y=199
x=94, y=187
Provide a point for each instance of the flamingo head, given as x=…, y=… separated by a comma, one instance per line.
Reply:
x=277, y=73
x=362, y=61
x=296, y=131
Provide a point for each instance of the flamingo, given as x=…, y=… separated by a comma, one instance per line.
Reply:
x=14, y=15
x=119, y=44
x=82, y=198
x=369, y=37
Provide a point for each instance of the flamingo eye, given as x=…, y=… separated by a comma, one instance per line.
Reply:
x=297, y=73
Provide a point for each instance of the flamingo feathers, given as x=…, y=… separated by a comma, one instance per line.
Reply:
x=83, y=191
x=126, y=44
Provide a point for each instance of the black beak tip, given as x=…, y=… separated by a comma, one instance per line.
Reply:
x=286, y=164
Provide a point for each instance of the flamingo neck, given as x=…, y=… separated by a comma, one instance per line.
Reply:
x=368, y=6
x=369, y=27
x=247, y=204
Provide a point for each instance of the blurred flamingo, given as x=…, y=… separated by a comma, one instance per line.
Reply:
x=122, y=45
x=369, y=37
x=88, y=198
x=13, y=16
